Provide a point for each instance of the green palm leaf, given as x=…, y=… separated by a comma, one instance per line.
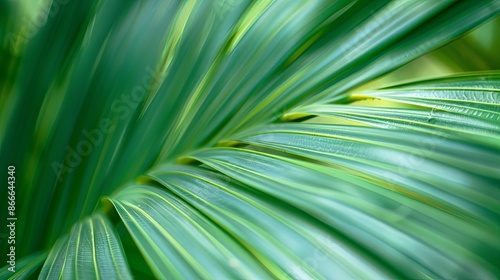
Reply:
x=183, y=136
x=91, y=251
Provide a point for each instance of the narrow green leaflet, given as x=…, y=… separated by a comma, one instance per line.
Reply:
x=486, y=80
x=427, y=120
x=134, y=101
x=431, y=240
x=481, y=101
x=461, y=15
x=285, y=240
x=465, y=181
x=331, y=55
x=178, y=241
x=91, y=251
x=153, y=81
x=369, y=144
x=25, y=267
x=138, y=265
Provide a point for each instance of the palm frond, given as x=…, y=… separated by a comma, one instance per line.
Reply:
x=170, y=133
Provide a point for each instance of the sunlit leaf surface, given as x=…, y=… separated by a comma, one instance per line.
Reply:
x=233, y=139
